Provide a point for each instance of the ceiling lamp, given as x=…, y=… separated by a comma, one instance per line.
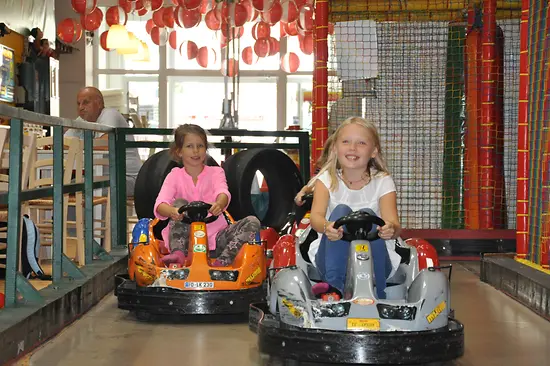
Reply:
x=117, y=37
x=131, y=47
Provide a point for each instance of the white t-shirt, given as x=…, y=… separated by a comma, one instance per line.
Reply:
x=366, y=197
x=111, y=117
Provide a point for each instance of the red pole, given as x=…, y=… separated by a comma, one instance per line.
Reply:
x=545, y=241
x=320, y=132
x=488, y=128
x=522, y=196
x=313, y=149
x=472, y=71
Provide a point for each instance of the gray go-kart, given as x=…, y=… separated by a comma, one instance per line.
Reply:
x=414, y=324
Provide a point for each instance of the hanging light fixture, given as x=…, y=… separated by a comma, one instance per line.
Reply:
x=142, y=55
x=117, y=37
x=131, y=47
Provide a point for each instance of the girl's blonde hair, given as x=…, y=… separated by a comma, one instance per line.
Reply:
x=329, y=143
x=376, y=165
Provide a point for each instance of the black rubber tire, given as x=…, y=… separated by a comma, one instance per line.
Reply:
x=281, y=174
x=150, y=179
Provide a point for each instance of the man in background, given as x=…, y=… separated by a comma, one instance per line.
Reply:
x=91, y=108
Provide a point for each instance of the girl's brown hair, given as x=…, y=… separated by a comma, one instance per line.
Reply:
x=179, y=138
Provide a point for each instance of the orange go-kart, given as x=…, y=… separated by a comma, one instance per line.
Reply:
x=197, y=287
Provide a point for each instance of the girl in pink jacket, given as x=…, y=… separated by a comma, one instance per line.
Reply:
x=199, y=182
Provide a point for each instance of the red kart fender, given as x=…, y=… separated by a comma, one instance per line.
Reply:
x=269, y=238
x=284, y=252
x=427, y=255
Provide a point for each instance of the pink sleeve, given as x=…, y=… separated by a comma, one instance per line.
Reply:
x=167, y=193
x=220, y=184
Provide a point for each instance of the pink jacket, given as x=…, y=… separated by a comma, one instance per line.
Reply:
x=178, y=184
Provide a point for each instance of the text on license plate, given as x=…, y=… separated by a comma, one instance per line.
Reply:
x=363, y=324
x=199, y=284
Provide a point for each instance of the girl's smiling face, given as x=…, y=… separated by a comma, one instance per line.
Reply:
x=354, y=147
x=193, y=151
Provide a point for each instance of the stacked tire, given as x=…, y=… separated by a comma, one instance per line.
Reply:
x=280, y=173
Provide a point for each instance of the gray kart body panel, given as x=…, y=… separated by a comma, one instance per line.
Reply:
x=425, y=293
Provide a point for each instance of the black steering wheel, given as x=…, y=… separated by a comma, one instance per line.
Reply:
x=359, y=225
x=196, y=211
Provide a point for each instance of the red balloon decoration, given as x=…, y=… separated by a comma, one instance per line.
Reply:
x=189, y=49
x=84, y=6
x=212, y=21
x=290, y=62
x=138, y=6
x=230, y=67
x=273, y=46
x=152, y=5
x=290, y=11
x=168, y=17
x=292, y=28
x=116, y=15
x=274, y=14
x=149, y=25
x=234, y=13
x=282, y=29
x=103, y=41
x=261, y=47
x=92, y=21
x=159, y=36
x=173, y=39
x=261, y=30
x=206, y=56
x=69, y=31
x=248, y=56
x=250, y=10
x=306, y=43
x=188, y=18
x=305, y=20
x=190, y=4
x=157, y=18
x=234, y=32
x=207, y=5
x=262, y=5
x=127, y=5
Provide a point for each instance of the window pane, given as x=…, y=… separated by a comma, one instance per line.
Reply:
x=112, y=60
x=199, y=101
x=299, y=101
x=134, y=93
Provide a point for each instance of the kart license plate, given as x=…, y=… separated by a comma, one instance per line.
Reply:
x=199, y=284
x=363, y=324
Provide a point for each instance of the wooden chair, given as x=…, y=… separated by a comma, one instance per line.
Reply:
x=41, y=210
x=29, y=146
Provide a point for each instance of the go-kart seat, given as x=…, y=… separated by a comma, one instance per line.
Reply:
x=405, y=253
x=304, y=248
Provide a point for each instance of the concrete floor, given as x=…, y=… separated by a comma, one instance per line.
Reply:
x=498, y=331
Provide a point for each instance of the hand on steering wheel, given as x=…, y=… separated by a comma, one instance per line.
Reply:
x=197, y=211
x=359, y=224
x=332, y=233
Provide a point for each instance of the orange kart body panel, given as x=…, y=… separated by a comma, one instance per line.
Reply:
x=145, y=266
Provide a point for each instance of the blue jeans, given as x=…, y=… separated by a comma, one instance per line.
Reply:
x=332, y=257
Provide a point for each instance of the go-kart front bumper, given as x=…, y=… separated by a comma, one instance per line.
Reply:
x=168, y=301
x=345, y=347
